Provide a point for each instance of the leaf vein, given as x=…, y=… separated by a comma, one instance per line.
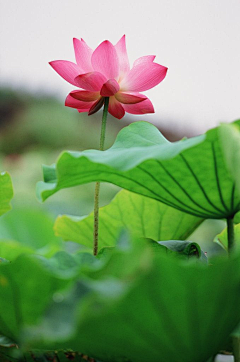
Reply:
x=199, y=184
x=217, y=178
x=192, y=210
x=182, y=188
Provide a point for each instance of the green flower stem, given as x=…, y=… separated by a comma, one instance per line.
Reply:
x=230, y=233
x=97, y=186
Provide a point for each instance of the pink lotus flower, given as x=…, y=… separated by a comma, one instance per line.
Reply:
x=105, y=72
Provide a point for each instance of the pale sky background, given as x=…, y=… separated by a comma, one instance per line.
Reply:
x=199, y=41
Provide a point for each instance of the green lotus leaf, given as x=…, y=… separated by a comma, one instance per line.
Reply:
x=31, y=228
x=222, y=238
x=189, y=175
x=237, y=218
x=230, y=137
x=6, y=192
x=27, y=286
x=11, y=249
x=148, y=307
x=185, y=248
x=141, y=216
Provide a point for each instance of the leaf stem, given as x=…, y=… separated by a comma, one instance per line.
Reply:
x=97, y=186
x=230, y=234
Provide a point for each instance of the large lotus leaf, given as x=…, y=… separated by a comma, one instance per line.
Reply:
x=27, y=286
x=31, y=228
x=11, y=249
x=6, y=192
x=222, y=238
x=160, y=309
x=237, y=218
x=230, y=137
x=141, y=216
x=189, y=175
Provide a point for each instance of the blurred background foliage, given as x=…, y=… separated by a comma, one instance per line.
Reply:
x=40, y=121
x=34, y=129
